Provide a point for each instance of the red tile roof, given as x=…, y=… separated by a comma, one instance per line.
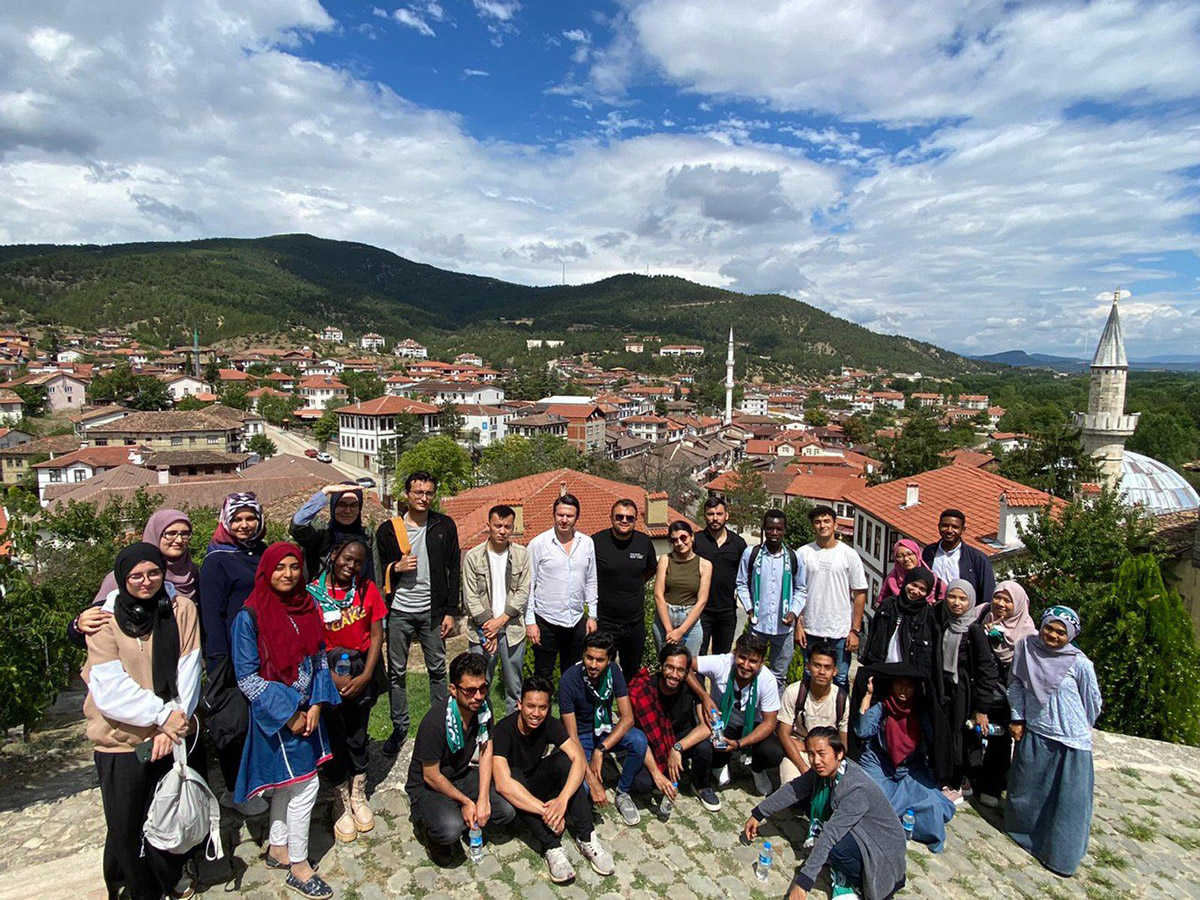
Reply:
x=389, y=406
x=974, y=491
x=824, y=487
x=96, y=457
x=536, y=493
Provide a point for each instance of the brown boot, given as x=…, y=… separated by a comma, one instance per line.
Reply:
x=364, y=819
x=344, y=828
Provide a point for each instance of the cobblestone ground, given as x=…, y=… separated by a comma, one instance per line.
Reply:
x=1145, y=842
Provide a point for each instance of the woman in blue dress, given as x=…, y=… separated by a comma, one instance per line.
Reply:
x=1055, y=701
x=897, y=735
x=279, y=659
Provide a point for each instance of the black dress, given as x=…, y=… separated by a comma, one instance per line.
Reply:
x=976, y=691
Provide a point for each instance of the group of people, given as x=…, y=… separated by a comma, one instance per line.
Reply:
x=292, y=639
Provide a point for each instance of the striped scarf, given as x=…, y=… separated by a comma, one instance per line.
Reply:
x=785, y=595
x=454, y=725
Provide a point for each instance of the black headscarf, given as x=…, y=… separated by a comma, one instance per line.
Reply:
x=904, y=602
x=339, y=531
x=155, y=616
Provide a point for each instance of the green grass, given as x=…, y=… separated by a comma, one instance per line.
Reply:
x=1109, y=859
x=1138, y=831
x=380, y=724
x=1099, y=880
x=1130, y=772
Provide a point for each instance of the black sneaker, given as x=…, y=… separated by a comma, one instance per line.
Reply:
x=394, y=742
x=315, y=887
x=709, y=799
x=441, y=855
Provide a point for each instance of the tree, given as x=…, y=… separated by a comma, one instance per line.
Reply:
x=451, y=422
x=236, y=396
x=1139, y=636
x=1073, y=556
x=516, y=457
x=363, y=386
x=190, y=404
x=151, y=395
x=277, y=409
x=409, y=431
x=918, y=448
x=746, y=497
x=1164, y=436
x=799, y=530
x=33, y=399
x=443, y=458
x=655, y=472
x=212, y=371
x=262, y=445
x=816, y=418
x=1054, y=461
x=325, y=429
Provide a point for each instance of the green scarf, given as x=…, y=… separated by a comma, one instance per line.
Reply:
x=320, y=590
x=751, y=705
x=601, y=701
x=454, y=725
x=822, y=805
x=785, y=598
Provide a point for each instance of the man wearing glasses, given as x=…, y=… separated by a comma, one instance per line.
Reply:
x=450, y=788
x=625, y=561
x=421, y=568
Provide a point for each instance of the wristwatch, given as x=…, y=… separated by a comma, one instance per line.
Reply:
x=677, y=747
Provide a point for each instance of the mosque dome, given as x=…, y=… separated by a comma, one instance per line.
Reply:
x=1155, y=485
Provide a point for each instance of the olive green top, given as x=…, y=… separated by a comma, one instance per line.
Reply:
x=681, y=587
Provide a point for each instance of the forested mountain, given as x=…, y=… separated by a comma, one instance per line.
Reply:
x=229, y=288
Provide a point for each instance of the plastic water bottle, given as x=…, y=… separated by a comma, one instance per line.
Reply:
x=910, y=822
x=766, y=856
x=991, y=731
x=668, y=805
x=718, y=731
x=342, y=669
x=475, y=844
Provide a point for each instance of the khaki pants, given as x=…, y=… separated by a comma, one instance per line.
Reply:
x=788, y=771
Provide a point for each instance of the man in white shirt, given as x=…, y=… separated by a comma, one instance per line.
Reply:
x=495, y=579
x=771, y=588
x=745, y=695
x=562, y=591
x=837, y=593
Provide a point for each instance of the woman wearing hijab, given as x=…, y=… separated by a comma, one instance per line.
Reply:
x=353, y=611
x=905, y=629
x=171, y=531
x=344, y=503
x=143, y=677
x=906, y=554
x=1055, y=702
x=226, y=579
x=898, y=736
x=279, y=659
x=1006, y=622
x=971, y=684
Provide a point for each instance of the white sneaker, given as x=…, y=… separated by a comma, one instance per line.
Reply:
x=627, y=808
x=601, y=859
x=723, y=776
x=762, y=783
x=990, y=801
x=561, y=870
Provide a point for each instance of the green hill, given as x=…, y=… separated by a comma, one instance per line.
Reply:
x=230, y=288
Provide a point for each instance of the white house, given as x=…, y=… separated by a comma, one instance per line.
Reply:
x=63, y=391
x=10, y=404
x=332, y=334
x=410, y=349
x=488, y=422
x=318, y=390
x=364, y=427
x=373, y=342
x=681, y=350
x=754, y=404
x=455, y=392
x=82, y=464
x=68, y=356
x=181, y=386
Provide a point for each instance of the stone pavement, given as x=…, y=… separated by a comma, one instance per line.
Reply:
x=1145, y=842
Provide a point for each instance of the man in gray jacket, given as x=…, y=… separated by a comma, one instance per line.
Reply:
x=852, y=827
x=495, y=581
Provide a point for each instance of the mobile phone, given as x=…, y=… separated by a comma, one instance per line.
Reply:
x=144, y=750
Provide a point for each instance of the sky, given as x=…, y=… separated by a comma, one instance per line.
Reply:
x=980, y=175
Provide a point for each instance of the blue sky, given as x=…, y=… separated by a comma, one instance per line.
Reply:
x=977, y=174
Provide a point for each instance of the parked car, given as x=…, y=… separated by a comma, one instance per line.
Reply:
x=311, y=453
x=365, y=482
x=324, y=457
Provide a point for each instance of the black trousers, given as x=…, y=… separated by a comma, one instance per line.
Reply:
x=992, y=776
x=442, y=816
x=230, y=759
x=629, y=642
x=545, y=783
x=558, y=642
x=764, y=755
x=718, y=627
x=346, y=725
x=126, y=788
x=701, y=758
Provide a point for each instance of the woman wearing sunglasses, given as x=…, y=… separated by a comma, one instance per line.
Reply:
x=680, y=590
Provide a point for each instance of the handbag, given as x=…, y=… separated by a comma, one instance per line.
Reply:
x=184, y=811
x=226, y=710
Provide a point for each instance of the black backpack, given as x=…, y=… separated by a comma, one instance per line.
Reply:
x=840, y=701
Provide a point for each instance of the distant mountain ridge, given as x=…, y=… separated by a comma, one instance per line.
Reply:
x=228, y=288
x=1022, y=359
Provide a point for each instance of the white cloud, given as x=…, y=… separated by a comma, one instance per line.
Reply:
x=500, y=10
x=413, y=20
x=475, y=73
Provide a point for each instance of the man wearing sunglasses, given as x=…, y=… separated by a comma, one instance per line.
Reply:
x=625, y=561
x=450, y=788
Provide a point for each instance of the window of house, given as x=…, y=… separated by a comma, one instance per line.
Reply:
x=192, y=440
x=79, y=475
x=102, y=442
x=177, y=441
x=56, y=475
x=213, y=439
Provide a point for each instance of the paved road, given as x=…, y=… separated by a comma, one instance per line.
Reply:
x=291, y=442
x=1144, y=842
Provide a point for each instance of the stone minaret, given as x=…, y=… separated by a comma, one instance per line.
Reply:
x=729, y=381
x=1105, y=426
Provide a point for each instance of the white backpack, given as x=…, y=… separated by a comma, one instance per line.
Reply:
x=184, y=811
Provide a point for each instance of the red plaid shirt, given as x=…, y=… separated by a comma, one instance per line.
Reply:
x=650, y=716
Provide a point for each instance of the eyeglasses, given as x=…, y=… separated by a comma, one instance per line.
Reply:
x=480, y=691
x=173, y=536
x=425, y=494
x=623, y=517
x=143, y=577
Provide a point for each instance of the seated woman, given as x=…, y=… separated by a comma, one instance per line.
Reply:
x=856, y=830
x=143, y=678
x=1055, y=702
x=1006, y=622
x=971, y=684
x=898, y=740
x=353, y=613
x=279, y=660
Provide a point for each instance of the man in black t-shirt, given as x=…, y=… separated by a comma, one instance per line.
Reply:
x=625, y=561
x=539, y=770
x=722, y=548
x=447, y=793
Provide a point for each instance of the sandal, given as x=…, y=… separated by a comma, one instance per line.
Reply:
x=315, y=887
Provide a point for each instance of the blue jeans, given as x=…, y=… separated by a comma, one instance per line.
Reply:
x=841, y=654
x=633, y=743
x=678, y=615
